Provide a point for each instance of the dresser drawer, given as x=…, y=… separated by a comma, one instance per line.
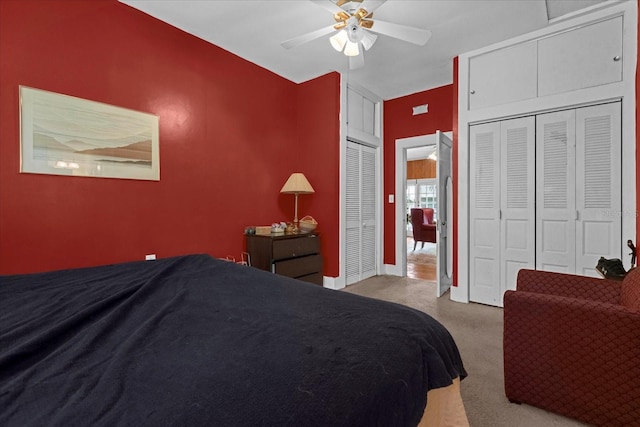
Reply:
x=315, y=278
x=291, y=248
x=299, y=267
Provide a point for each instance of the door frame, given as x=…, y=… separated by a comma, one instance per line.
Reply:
x=401, y=191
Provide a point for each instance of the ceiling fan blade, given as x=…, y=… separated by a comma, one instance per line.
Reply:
x=297, y=41
x=328, y=5
x=371, y=5
x=356, y=62
x=403, y=32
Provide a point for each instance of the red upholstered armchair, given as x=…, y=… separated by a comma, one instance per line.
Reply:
x=572, y=346
x=424, y=229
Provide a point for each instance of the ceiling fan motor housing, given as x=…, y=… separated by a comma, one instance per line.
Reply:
x=354, y=32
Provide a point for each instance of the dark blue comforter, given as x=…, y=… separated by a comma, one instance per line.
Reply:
x=197, y=341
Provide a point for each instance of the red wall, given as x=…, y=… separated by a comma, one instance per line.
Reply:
x=318, y=149
x=248, y=127
x=229, y=139
x=399, y=122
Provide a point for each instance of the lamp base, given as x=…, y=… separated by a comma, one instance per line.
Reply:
x=292, y=228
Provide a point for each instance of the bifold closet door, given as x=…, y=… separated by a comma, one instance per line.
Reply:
x=484, y=226
x=517, y=199
x=555, y=192
x=579, y=192
x=361, y=201
x=598, y=186
x=502, y=193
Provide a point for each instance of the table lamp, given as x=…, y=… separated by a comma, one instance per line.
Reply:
x=297, y=184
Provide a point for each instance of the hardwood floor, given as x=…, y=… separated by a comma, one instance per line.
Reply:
x=421, y=263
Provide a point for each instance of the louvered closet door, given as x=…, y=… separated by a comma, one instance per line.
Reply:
x=598, y=186
x=484, y=227
x=580, y=200
x=555, y=192
x=360, y=237
x=517, y=203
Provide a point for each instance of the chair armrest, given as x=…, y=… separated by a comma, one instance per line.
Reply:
x=563, y=349
x=569, y=285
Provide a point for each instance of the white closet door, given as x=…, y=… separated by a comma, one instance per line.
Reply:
x=555, y=192
x=352, y=235
x=517, y=191
x=360, y=236
x=598, y=186
x=368, y=210
x=484, y=227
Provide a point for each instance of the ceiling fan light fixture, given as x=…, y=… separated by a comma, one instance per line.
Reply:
x=338, y=40
x=352, y=49
x=368, y=39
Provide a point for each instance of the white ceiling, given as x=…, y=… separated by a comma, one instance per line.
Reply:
x=393, y=68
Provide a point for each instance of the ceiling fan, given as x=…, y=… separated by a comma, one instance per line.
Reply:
x=355, y=28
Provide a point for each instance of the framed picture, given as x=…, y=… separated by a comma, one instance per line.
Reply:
x=65, y=135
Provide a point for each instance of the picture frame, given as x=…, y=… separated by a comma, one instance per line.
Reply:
x=66, y=135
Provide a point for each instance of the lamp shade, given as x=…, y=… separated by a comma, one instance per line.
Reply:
x=368, y=40
x=352, y=49
x=338, y=40
x=297, y=184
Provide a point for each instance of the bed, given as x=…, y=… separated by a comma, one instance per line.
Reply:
x=193, y=340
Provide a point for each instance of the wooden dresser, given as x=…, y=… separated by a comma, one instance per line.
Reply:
x=291, y=255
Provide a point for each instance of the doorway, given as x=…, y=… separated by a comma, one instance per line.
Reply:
x=432, y=253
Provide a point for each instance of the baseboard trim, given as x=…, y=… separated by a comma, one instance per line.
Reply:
x=334, y=283
x=392, y=270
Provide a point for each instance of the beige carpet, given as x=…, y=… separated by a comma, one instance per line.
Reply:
x=477, y=330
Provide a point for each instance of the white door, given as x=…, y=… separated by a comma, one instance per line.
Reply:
x=517, y=203
x=502, y=190
x=484, y=226
x=443, y=175
x=368, y=217
x=598, y=186
x=555, y=192
x=361, y=202
x=579, y=214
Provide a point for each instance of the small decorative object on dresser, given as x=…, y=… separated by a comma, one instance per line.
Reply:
x=278, y=228
x=308, y=224
x=292, y=255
